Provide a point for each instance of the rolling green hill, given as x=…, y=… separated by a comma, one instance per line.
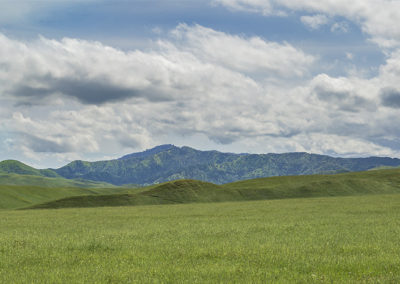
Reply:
x=22, y=190
x=20, y=196
x=33, y=180
x=18, y=174
x=168, y=162
x=191, y=191
x=16, y=167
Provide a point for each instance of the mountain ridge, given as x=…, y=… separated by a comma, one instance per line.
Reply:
x=168, y=162
x=148, y=152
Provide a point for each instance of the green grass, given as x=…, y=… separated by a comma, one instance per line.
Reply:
x=14, y=197
x=191, y=191
x=308, y=240
x=33, y=180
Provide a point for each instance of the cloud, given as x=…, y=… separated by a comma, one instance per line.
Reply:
x=341, y=93
x=248, y=55
x=255, y=6
x=76, y=98
x=40, y=145
x=340, y=27
x=378, y=19
x=314, y=22
x=390, y=97
x=195, y=60
x=91, y=91
x=349, y=55
x=88, y=71
x=50, y=135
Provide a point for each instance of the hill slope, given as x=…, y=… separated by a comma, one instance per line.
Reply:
x=33, y=180
x=21, y=190
x=167, y=163
x=19, y=196
x=16, y=167
x=189, y=191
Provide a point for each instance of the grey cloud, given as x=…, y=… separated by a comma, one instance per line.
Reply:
x=329, y=96
x=4, y=66
x=344, y=128
x=390, y=97
x=29, y=91
x=343, y=100
x=86, y=91
x=41, y=145
x=92, y=92
x=223, y=139
x=129, y=142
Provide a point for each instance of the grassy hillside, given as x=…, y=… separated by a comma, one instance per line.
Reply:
x=181, y=191
x=308, y=240
x=190, y=191
x=14, y=197
x=18, y=191
x=369, y=182
x=16, y=167
x=33, y=180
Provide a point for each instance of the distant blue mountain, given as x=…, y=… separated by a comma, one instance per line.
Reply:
x=168, y=162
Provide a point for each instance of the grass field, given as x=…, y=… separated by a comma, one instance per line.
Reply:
x=334, y=239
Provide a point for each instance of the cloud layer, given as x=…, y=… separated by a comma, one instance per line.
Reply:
x=74, y=97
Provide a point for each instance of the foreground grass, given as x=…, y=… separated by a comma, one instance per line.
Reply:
x=339, y=239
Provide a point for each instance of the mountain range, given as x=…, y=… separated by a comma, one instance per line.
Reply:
x=168, y=162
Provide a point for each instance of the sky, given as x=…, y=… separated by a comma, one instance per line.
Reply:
x=97, y=79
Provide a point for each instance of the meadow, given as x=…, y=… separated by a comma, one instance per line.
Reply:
x=305, y=240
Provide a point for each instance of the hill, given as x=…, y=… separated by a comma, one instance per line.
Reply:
x=33, y=180
x=168, y=162
x=191, y=191
x=22, y=190
x=16, y=167
x=17, y=191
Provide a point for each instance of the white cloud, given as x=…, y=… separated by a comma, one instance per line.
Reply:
x=199, y=60
x=314, y=22
x=379, y=19
x=248, y=55
x=340, y=27
x=349, y=55
x=260, y=6
x=75, y=98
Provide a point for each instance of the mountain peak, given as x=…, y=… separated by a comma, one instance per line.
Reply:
x=149, y=152
x=14, y=166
